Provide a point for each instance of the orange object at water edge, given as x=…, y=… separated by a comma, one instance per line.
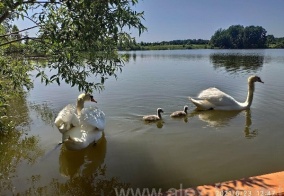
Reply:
x=268, y=184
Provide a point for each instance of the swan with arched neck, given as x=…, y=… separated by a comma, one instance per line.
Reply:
x=80, y=125
x=215, y=99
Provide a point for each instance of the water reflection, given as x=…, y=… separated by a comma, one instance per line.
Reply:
x=14, y=150
x=216, y=118
x=86, y=172
x=234, y=63
x=16, y=146
x=19, y=112
x=44, y=112
x=222, y=119
x=182, y=118
x=83, y=162
x=159, y=123
x=164, y=55
x=95, y=184
x=248, y=132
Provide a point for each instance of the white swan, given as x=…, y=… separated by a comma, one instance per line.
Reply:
x=215, y=99
x=180, y=113
x=80, y=126
x=154, y=117
x=78, y=138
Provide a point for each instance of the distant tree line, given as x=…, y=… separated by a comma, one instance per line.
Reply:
x=177, y=42
x=235, y=37
x=274, y=42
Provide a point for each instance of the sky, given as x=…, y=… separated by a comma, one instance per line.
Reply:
x=168, y=20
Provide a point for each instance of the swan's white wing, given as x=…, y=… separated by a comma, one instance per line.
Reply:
x=93, y=116
x=80, y=137
x=201, y=104
x=66, y=114
x=217, y=97
x=213, y=98
x=66, y=118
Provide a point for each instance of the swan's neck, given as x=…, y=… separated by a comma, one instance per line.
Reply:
x=159, y=114
x=249, y=99
x=80, y=106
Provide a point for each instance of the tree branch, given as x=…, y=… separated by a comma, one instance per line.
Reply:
x=6, y=13
x=41, y=2
x=32, y=20
x=17, y=32
x=18, y=40
x=27, y=18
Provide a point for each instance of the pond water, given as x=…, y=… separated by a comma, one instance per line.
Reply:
x=203, y=148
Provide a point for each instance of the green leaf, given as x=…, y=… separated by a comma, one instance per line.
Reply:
x=52, y=77
x=58, y=82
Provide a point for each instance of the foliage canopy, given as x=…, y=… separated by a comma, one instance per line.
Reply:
x=78, y=37
x=239, y=37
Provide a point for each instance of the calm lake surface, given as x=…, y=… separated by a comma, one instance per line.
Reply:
x=203, y=148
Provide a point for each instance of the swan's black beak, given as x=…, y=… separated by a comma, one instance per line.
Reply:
x=93, y=100
x=259, y=80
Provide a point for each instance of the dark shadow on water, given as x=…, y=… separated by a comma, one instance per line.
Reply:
x=50, y=152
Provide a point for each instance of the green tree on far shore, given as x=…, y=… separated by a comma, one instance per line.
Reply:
x=239, y=37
